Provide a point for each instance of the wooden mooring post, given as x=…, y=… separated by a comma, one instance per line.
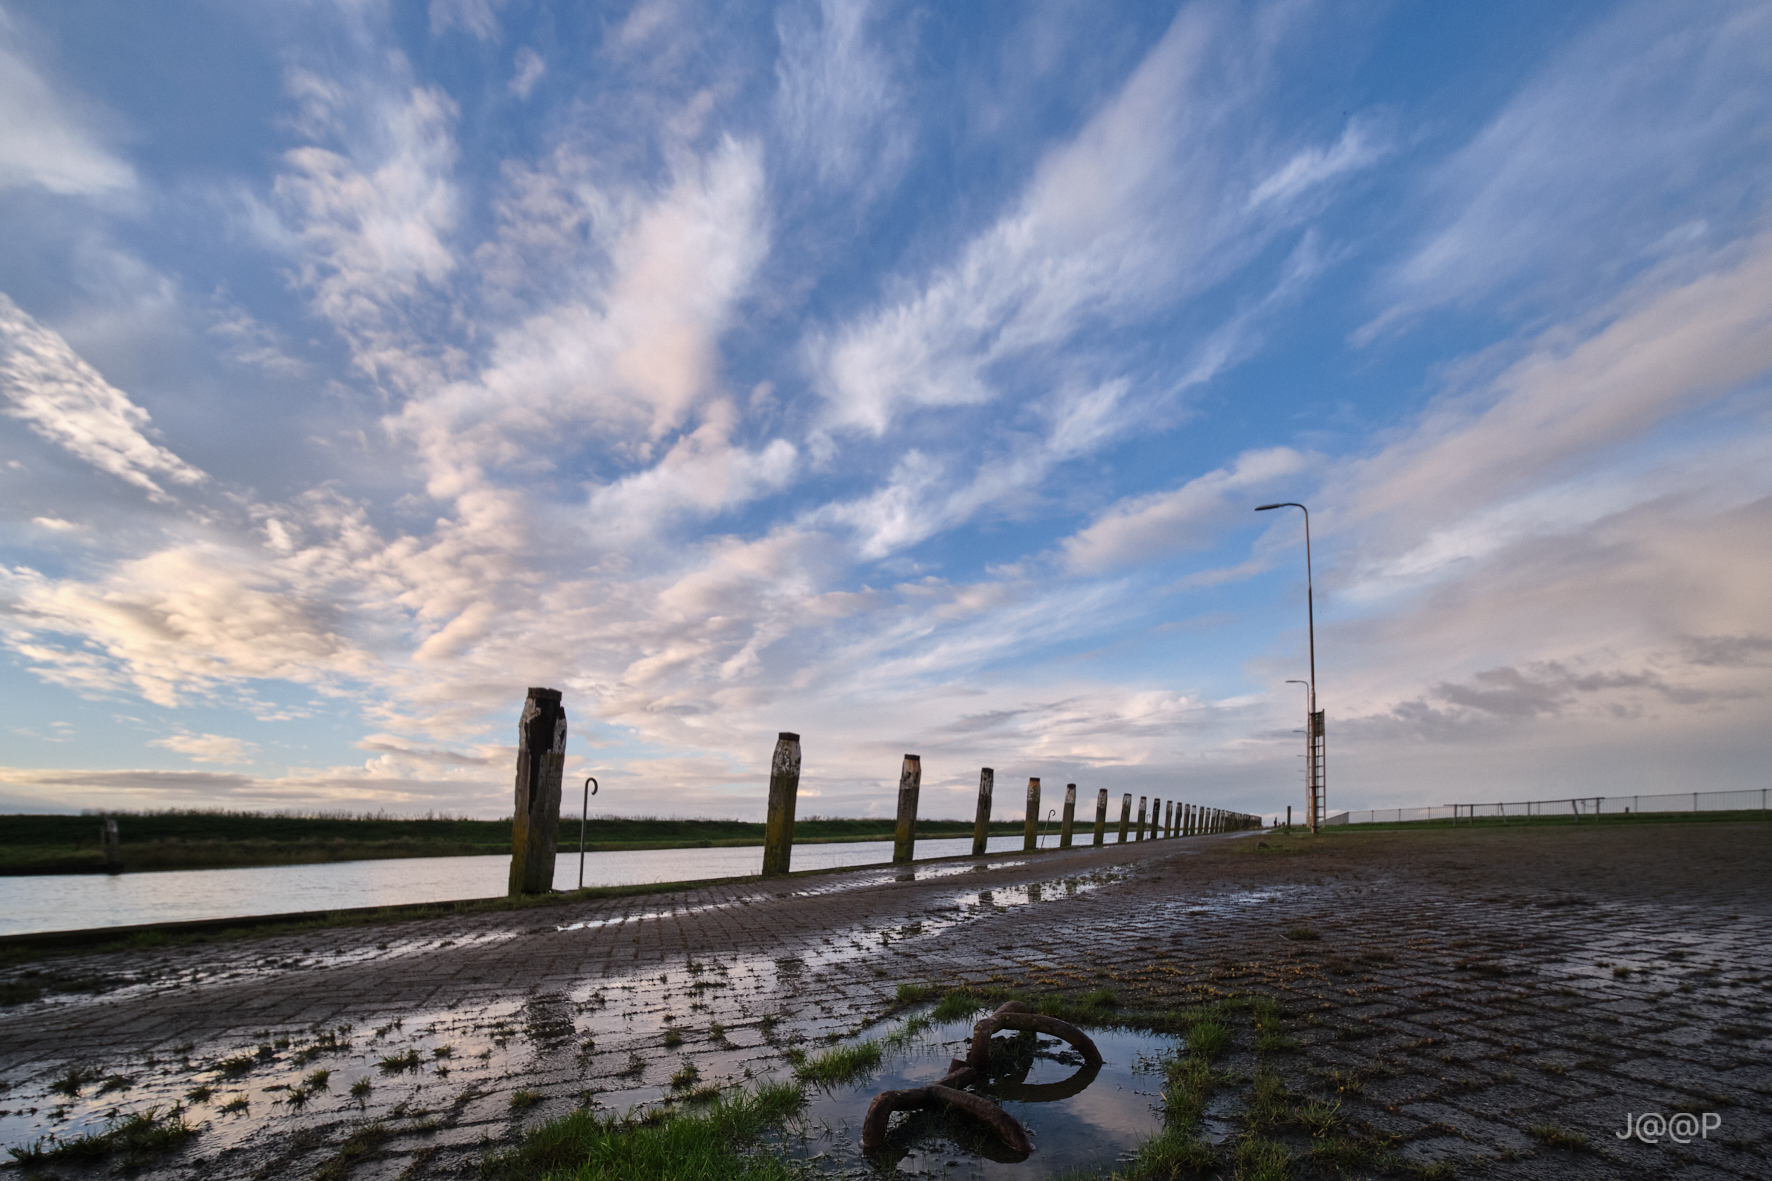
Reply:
x=1168, y=818
x=1030, y=832
x=1101, y=816
x=535, y=818
x=110, y=843
x=981, y=823
x=1139, y=832
x=1125, y=815
x=1070, y=815
x=784, y=793
x=910, y=785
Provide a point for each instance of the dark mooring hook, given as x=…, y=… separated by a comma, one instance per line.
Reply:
x=591, y=786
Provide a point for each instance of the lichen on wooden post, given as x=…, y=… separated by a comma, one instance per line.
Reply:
x=1030, y=827
x=1101, y=816
x=535, y=819
x=1070, y=815
x=981, y=824
x=910, y=785
x=784, y=794
x=1125, y=815
x=110, y=843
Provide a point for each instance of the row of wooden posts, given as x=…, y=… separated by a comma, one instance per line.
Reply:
x=541, y=761
x=1167, y=818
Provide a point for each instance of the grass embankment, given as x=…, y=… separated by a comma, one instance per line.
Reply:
x=214, y=840
x=1548, y=820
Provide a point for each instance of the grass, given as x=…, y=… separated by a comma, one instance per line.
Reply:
x=841, y=1064
x=522, y=1099
x=138, y=1138
x=1261, y=1160
x=362, y=1141
x=395, y=1063
x=711, y=1142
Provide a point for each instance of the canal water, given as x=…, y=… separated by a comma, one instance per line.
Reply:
x=61, y=902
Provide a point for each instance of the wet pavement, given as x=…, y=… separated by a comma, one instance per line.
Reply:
x=1454, y=993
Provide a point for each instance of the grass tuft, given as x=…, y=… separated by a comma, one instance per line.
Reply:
x=139, y=1138
x=708, y=1143
x=841, y=1064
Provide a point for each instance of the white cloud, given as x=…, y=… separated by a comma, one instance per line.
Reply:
x=634, y=352
x=45, y=140
x=530, y=68
x=1358, y=147
x=477, y=18
x=372, y=222
x=207, y=748
x=1594, y=162
x=839, y=104
x=63, y=399
x=1156, y=524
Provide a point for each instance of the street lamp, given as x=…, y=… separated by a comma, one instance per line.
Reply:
x=1314, y=732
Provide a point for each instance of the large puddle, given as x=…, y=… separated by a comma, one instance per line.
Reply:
x=621, y=1041
x=1077, y=1116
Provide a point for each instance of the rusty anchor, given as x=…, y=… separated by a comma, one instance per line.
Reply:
x=962, y=1073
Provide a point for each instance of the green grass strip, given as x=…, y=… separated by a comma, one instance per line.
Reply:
x=709, y=1143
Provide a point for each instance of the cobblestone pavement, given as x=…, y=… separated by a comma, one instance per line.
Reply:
x=1469, y=998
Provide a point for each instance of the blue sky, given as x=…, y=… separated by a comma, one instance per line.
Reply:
x=901, y=375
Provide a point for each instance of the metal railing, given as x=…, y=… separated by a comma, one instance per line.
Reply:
x=1578, y=807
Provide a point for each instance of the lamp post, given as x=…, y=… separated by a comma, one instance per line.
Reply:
x=1314, y=727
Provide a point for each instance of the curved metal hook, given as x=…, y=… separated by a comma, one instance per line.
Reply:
x=584, y=815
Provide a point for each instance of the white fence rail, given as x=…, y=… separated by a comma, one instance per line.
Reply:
x=1578, y=806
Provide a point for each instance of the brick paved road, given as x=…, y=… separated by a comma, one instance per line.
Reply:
x=1463, y=987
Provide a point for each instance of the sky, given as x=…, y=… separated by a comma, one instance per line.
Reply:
x=903, y=375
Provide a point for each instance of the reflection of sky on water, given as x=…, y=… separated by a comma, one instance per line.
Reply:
x=74, y=901
x=1093, y=1128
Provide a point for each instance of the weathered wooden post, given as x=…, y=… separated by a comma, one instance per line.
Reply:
x=535, y=819
x=1175, y=822
x=1030, y=831
x=981, y=824
x=1138, y=833
x=1187, y=824
x=1101, y=816
x=110, y=843
x=1156, y=818
x=1070, y=815
x=1125, y=815
x=1168, y=818
x=784, y=793
x=910, y=785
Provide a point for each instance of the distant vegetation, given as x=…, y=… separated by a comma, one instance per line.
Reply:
x=216, y=839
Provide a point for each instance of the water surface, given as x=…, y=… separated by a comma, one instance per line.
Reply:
x=62, y=902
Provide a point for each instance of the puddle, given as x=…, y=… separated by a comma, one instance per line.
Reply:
x=617, y=1040
x=1078, y=1117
